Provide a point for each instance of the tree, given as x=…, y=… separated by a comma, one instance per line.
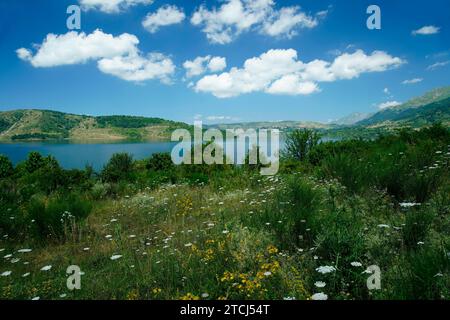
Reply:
x=159, y=162
x=119, y=167
x=6, y=167
x=34, y=161
x=300, y=142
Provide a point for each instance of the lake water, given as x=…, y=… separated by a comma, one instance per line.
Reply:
x=78, y=155
x=72, y=155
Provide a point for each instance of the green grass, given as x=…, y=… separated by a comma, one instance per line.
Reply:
x=228, y=233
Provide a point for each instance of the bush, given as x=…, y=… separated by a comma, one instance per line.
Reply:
x=58, y=216
x=6, y=167
x=159, y=162
x=119, y=167
x=300, y=142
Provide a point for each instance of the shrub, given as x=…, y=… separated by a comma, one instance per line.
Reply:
x=159, y=162
x=52, y=219
x=300, y=142
x=6, y=167
x=119, y=167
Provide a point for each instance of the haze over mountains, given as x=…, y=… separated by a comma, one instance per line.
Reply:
x=30, y=124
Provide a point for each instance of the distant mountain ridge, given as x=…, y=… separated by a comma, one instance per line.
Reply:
x=433, y=106
x=32, y=124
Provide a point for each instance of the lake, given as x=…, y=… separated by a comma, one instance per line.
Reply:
x=77, y=155
x=72, y=155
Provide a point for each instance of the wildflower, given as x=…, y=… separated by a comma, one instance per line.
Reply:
x=272, y=249
x=420, y=243
x=356, y=264
x=325, y=269
x=225, y=231
x=86, y=249
x=15, y=260
x=8, y=256
x=319, y=296
x=188, y=244
x=63, y=295
x=6, y=274
x=320, y=284
x=383, y=226
x=267, y=273
x=115, y=257
x=204, y=295
x=131, y=236
x=409, y=204
x=108, y=236
x=156, y=290
x=189, y=296
x=289, y=298
x=25, y=275
x=46, y=268
x=24, y=250
x=439, y=274
x=36, y=298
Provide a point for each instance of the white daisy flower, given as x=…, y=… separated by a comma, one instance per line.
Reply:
x=325, y=269
x=46, y=268
x=115, y=257
x=320, y=284
x=319, y=296
x=356, y=264
x=6, y=274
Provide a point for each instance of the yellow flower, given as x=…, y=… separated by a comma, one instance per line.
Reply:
x=156, y=291
x=272, y=249
x=190, y=296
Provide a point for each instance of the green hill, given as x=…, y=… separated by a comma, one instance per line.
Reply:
x=433, y=106
x=33, y=124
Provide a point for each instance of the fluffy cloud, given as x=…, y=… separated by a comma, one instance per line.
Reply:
x=281, y=72
x=222, y=25
x=111, y=6
x=165, y=16
x=438, y=65
x=427, y=30
x=75, y=48
x=200, y=65
x=388, y=104
x=412, y=81
x=118, y=56
x=285, y=21
x=217, y=64
x=138, y=68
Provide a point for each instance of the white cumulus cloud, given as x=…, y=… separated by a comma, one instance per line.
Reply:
x=217, y=64
x=279, y=71
x=426, y=30
x=75, y=48
x=116, y=55
x=138, y=68
x=223, y=24
x=111, y=6
x=388, y=104
x=200, y=65
x=164, y=16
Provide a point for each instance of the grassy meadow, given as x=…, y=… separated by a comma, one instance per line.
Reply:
x=149, y=230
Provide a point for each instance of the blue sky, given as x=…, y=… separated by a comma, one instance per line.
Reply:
x=280, y=83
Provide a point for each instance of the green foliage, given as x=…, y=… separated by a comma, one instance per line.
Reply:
x=6, y=167
x=55, y=217
x=119, y=167
x=160, y=162
x=300, y=142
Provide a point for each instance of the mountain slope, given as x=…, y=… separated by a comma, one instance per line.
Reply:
x=433, y=106
x=33, y=124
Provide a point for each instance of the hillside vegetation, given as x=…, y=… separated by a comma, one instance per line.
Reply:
x=151, y=230
x=44, y=125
